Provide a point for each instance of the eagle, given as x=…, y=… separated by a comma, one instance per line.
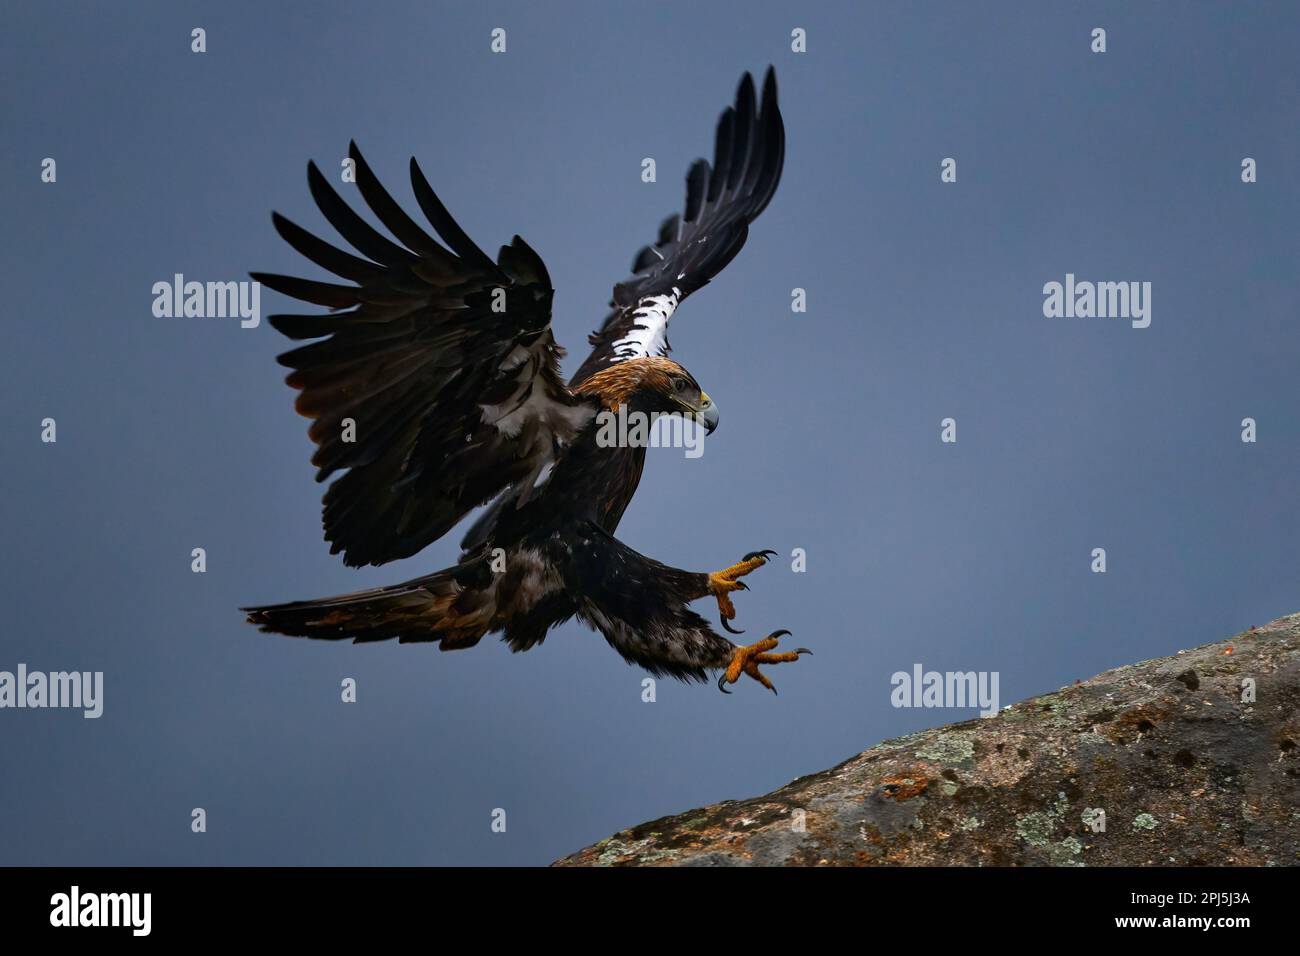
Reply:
x=433, y=384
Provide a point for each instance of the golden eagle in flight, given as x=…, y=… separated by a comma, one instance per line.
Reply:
x=435, y=383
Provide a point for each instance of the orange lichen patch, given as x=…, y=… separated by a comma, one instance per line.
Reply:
x=615, y=384
x=1227, y=650
x=904, y=787
x=1134, y=722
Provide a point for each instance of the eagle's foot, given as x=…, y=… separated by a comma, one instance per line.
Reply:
x=746, y=660
x=722, y=583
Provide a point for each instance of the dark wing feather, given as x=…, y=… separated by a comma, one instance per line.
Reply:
x=449, y=393
x=721, y=201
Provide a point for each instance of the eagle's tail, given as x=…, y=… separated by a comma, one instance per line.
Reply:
x=451, y=607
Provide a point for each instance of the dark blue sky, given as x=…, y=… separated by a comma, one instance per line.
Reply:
x=924, y=301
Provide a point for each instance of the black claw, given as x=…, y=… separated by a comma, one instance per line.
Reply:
x=742, y=586
x=780, y=633
x=728, y=628
x=720, y=687
x=802, y=650
x=759, y=554
x=775, y=693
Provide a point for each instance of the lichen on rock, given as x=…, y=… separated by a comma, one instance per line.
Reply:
x=1167, y=761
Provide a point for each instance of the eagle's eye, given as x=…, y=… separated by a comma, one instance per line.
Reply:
x=680, y=385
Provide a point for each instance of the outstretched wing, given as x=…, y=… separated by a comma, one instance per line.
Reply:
x=436, y=387
x=693, y=247
x=639, y=605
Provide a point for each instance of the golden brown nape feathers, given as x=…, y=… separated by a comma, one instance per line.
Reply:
x=617, y=383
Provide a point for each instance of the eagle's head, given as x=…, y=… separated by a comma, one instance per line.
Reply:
x=653, y=385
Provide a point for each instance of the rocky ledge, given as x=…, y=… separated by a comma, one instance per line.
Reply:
x=1183, y=760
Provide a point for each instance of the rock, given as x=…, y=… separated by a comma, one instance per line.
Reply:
x=1167, y=762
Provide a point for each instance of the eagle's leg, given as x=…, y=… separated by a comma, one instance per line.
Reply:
x=722, y=583
x=745, y=660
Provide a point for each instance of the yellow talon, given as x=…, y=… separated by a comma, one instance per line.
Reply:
x=721, y=583
x=745, y=660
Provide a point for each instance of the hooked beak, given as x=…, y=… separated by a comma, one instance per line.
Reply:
x=708, y=413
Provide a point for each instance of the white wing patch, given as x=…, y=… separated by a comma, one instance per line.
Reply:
x=649, y=332
x=530, y=402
